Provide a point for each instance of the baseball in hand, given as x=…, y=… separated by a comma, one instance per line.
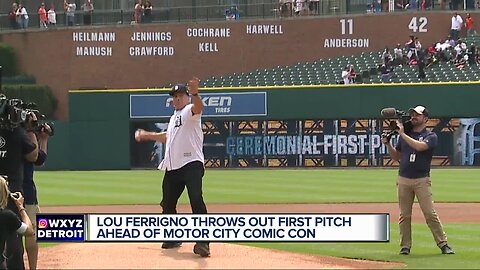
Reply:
x=138, y=135
x=193, y=86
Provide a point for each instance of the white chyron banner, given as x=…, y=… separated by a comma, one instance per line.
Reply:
x=239, y=227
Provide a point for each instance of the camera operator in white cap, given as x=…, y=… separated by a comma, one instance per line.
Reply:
x=414, y=152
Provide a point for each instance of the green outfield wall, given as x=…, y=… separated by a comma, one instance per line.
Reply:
x=97, y=135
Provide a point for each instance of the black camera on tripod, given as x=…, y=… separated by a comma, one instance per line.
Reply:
x=15, y=112
x=404, y=118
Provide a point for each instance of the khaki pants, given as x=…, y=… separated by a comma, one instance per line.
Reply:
x=407, y=189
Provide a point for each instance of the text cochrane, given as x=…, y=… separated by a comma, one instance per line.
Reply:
x=346, y=43
x=208, y=32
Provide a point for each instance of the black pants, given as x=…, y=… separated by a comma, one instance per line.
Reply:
x=87, y=19
x=454, y=34
x=14, y=245
x=174, y=183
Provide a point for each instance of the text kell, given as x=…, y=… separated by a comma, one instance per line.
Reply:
x=207, y=47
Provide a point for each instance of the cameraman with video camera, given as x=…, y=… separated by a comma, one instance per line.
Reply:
x=17, y=143
x=42, y=132
x=414, y=152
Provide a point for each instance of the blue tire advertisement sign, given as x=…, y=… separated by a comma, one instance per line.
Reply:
x=144, y=106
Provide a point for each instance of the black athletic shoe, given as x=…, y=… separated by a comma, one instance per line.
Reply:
x=202, y=249
x=169, y=245
x=404, y=251
x=447, y=250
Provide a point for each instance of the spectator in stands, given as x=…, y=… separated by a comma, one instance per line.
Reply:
x=459, y=50
x=412, y=48
x=370, y=8
x=346, y=75
x=442, y=48
x=377, y=6
x=423, y=5
x=460, y=61
x=477, y=57
x=387, y=58
x=299, y=6
x=472, y=51
x=352, y=74
x=12, y=16
x=398, y=56
x=442, y=4
x=138, y=12
x=232, y=14
x=87, y=9
x=52, y=16
x=399, y=4
x=452, y=42
x=70, y=12
x=461, y=47
x=285, y=8
x=442, y=45
x=147, y=12
x=385, y=73
x=22, y=16
x=421, y=66
x=418, y=45
x=412, y=4
x=42, y=15
x=431, y=58
x=431, y=49
x=314, y=7
x=469, y=25
x=457, y=22
x=431, y=4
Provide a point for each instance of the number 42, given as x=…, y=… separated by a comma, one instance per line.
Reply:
x=418, y=24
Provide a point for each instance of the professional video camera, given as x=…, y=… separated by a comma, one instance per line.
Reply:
x=404, y=118
x=15, y=112
x=43, y=128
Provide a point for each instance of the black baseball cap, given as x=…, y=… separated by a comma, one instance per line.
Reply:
x=179, y=88
x=419, y=109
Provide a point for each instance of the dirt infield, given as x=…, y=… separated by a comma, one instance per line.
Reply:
x=227, y=256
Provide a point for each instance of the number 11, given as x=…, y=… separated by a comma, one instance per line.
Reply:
x=344, y=26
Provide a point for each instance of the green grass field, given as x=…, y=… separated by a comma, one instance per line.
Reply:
x=292, y=186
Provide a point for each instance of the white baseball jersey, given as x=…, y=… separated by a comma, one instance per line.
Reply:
x=184, y=140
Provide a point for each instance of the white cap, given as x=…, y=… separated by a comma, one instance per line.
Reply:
x=419, y=109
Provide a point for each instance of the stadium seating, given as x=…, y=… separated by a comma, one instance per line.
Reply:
x=327, y=71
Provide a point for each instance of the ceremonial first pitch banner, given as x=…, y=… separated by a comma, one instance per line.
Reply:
x=219, y=228
x=287, y=143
